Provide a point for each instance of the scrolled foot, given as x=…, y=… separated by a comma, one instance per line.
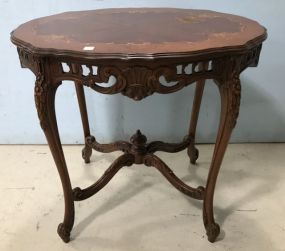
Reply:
x=77, y=193
x=213, y=231
x=201, y=190
x=63, y=232
x=86, y=154
x=193, y=154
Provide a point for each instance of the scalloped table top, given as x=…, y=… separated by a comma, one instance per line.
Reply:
x=142, y=31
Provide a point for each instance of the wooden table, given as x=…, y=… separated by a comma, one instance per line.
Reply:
x=137, y=47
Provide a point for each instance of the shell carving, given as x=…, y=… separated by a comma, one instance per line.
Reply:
x=141, y=82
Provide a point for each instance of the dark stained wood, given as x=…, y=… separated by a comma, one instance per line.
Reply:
x=44, y=99
x=87, y=150
x=138, y=152
x=138, y=47
x=83, y=194
x=193, y=152
x=127, y=32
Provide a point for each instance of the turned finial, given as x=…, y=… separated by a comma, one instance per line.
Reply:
x=138, y=138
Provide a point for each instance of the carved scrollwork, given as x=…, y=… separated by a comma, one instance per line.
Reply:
x=40, y=93
x=138, y=81
x=138, y=144
x=138, y=152
x=153, y=160
x=250, y=58
x=235, y=98
x=64, y=232
x=123, y=160
x=107, y=148
x=133, y=81
x=141, y=82
x=169, y=147
x=37, y=65
x=103, y=75
x=27, y=60
x=44, y=91
x=230, y=87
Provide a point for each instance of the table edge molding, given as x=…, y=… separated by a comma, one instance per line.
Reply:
x=148, y=56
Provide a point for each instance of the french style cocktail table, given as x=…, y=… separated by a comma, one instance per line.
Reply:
x=138, y=47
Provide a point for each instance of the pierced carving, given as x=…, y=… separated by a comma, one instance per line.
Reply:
x=104, y=73
x=138, y=75
x=138, y=79
x=65, y=67
x=136, y=82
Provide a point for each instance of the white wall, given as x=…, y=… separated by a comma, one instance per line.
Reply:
x=262, y=114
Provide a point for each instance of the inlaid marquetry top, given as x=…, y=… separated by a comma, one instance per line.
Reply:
x=138, y=32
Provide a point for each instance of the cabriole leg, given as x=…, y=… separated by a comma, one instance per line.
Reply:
x=230, y=101
x=44, y=98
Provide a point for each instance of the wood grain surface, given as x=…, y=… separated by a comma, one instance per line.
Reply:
x=143, y=31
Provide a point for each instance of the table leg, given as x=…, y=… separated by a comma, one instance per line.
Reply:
x=193, y=152
x=230, y=101
x=44, y=98
x=87, y=150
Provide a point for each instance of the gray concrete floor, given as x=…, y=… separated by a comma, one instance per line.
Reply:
x=139, y=210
